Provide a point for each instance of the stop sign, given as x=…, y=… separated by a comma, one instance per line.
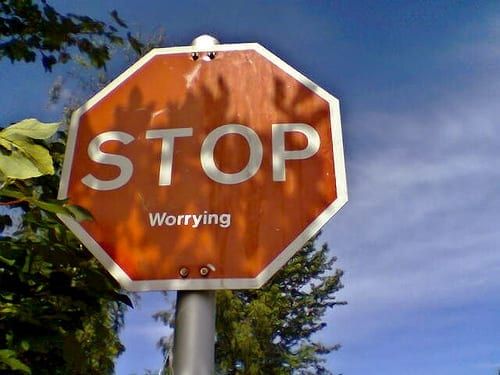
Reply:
x=204, y=168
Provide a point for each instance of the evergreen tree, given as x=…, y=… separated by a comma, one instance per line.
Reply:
x=271, y=330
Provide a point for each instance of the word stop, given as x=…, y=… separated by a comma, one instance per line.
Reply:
x=168, y=136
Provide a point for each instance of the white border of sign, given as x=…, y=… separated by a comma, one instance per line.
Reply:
x=207, y=284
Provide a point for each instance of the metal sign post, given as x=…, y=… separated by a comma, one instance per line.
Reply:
x=194, y=333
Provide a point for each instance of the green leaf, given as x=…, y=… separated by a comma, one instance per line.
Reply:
x=30, y=128
x=8, y=357
x=54, y=207
x=6, y=192
x=78, y=213
x=9, y=262
x=25, y=345
x=26, y=160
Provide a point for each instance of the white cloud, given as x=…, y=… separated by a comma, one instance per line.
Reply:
x=421, y=228
x=150, y=331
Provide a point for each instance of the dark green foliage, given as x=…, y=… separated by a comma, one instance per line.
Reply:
x=271, y=330
x=60, y=311
x=56, y=306
x=31, y=29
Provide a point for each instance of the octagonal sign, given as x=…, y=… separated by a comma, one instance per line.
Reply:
x=204, y=168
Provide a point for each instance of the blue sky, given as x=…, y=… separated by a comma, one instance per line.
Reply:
x=419, y=84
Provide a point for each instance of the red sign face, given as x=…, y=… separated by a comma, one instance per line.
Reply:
x=204, y=169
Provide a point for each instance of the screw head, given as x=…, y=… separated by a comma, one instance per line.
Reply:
x=184, y=272
x=204, y=271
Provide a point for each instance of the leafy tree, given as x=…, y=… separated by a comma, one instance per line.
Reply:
x=60, y=311
x=30, y=28
x=23, y=157
x=271, y=330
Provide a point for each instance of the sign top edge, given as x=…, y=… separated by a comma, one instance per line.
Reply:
x=214, y=48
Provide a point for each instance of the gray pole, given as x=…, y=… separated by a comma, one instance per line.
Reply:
x=194, y=333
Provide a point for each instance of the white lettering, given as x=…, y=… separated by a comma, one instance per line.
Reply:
x=280, y=155
x=207, y=154
x=157, y=218
x=196, y=220
x=122, y=162
x=167, y=150
x=225, y=220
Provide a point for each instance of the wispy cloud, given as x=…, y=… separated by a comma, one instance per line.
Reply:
x=421, y=227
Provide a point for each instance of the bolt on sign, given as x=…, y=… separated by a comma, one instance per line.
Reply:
x=204, y=168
